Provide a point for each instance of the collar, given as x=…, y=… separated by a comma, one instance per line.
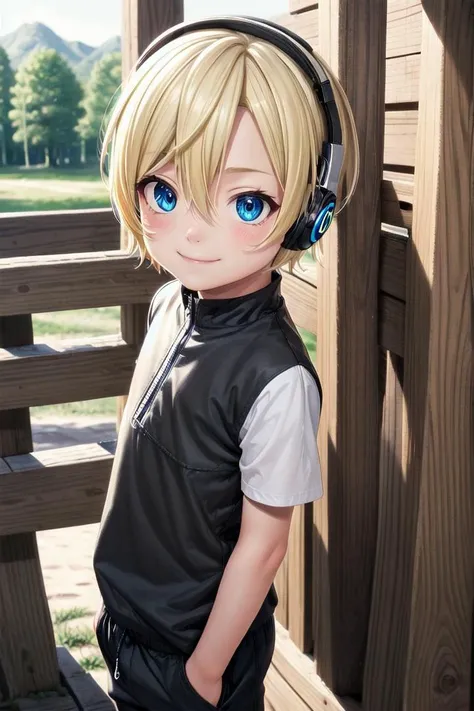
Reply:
x=237, y=311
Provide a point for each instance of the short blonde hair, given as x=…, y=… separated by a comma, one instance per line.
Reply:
x=181, y=105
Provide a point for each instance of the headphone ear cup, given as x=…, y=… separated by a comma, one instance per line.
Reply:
x=319, y=225
x=298, y=237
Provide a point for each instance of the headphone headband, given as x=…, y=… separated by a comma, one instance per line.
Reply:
x=289, y=42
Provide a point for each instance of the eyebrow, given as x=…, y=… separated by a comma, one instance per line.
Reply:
x=246, y=170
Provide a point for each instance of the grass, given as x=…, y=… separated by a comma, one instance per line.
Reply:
x=15, y=172
x=26, y=190
x=44, y=203
x=86, y=323
x=76, y=637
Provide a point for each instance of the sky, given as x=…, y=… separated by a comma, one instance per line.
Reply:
x=94, y=21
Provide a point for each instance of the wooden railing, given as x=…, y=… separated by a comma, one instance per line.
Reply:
x=46, y=264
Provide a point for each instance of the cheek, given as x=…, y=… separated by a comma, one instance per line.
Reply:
x=155, y=223
x=250, y=235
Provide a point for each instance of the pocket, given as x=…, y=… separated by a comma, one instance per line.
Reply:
x=185, y=694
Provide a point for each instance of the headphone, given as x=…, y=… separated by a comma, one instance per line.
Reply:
x=317, y=218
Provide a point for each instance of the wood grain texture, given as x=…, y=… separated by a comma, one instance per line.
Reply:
x=81, y=685
x=403, y=27
x=44, y=374
x=281, y=586
x=386, y=648
x=143, y=21
x=392, y=273
x=397, y=200
x=400, y=137
x=300, y=589
x=305, y=24
x=301, y=300
x=391, y=320
x=60, y=232
x=27, y=652
x=71, y=281
x=347, y=357
x=403, y=79
x=301, y=5
x=54, y=488
x=439, y=392
x=293, y=675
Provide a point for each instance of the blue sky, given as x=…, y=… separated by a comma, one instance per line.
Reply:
x=94, y=21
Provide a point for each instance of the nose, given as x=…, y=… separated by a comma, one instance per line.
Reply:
x=193, y=234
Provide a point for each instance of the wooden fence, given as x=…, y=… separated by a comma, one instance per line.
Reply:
x=376, y=590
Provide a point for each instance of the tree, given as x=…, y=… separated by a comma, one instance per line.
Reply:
x=46, y=104
x=105, y=80
x=6, y=83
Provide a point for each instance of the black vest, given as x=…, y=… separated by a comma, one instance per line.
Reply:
x=173, y=509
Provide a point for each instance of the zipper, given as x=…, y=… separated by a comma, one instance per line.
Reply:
x=165, y=368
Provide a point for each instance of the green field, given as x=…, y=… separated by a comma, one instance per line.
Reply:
x=23, y=190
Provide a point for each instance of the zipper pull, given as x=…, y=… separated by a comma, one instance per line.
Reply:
x=117, y=672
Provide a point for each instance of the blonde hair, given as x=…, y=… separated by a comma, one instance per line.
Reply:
x=181, y=104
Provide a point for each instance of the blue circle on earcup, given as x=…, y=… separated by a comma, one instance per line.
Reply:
x=323, y=221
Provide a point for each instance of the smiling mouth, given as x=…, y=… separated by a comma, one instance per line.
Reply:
x=198, y=261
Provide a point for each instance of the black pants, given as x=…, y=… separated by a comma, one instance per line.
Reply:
x=147, y=680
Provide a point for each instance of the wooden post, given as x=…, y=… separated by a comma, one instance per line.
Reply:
x=439, y=388
x=345, y=529
x=143, y=20
x=28, y=659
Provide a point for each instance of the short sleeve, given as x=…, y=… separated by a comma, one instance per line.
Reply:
x=280, y=463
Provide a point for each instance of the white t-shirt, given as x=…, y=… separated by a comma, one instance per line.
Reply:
x=280, y=461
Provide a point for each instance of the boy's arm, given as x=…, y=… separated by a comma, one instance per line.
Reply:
x=247, y=578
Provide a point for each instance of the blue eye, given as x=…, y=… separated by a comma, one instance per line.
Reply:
x=160, y=197
x=251, y=207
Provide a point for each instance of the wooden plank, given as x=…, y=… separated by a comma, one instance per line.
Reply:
x=60, y=232
x=402, y=83
x=400, y=137
x=397, y=200
x=392, y=277
x=300, y=591
x=81, y=685
x=68, y=371
x=439, y=374
x=391, y=320
x=48, y=703
x=73, y=281
x=143, y=20
x=403, y=28
x=300, y=298
x=301, y=5
x=54, y=488
x=299, y=674
x=27, y=658
x=347, y=357
x=305, y=24
x=282, y=586
x=386, y=648
x=280, y=694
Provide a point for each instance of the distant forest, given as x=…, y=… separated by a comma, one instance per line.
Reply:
x=50, y=113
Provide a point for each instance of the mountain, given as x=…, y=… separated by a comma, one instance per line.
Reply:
x=84, y=68
x=33, y=36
